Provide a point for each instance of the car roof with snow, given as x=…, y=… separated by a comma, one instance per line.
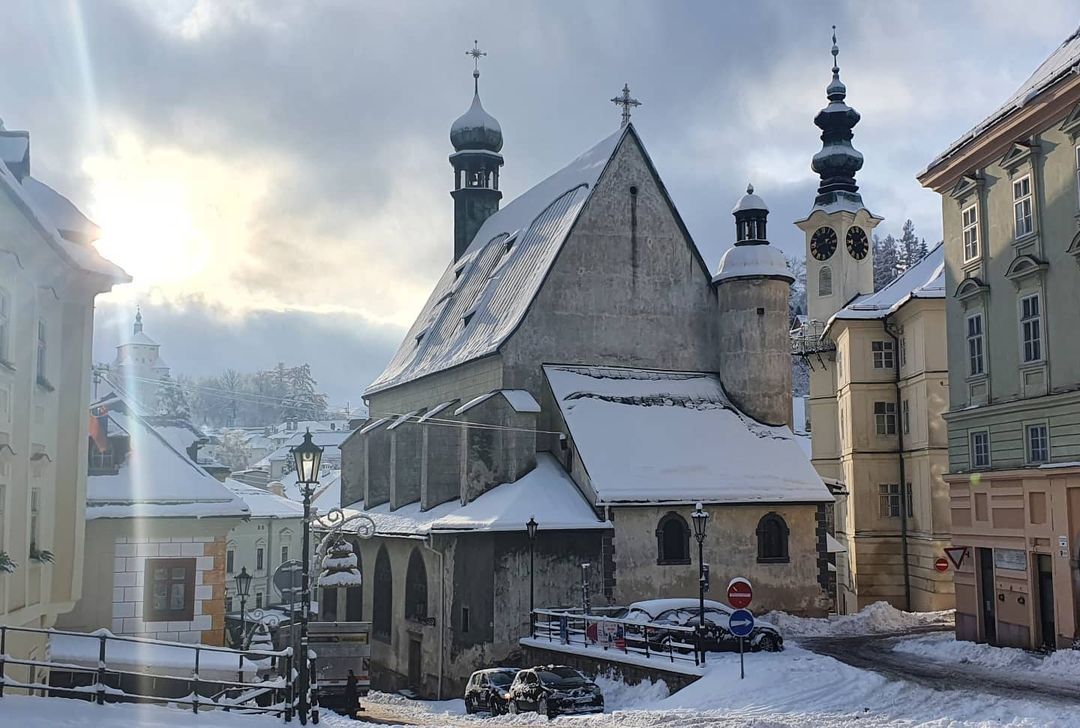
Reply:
x=653, y=607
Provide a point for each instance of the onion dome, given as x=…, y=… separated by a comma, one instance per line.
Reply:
x=838, y=160
x=749, y=201
x=476, y=128
x=752, y=256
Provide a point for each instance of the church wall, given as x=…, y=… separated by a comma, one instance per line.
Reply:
x=406, y=463
x=627, y=289
x=463, y=383
x=440, y=449
x=377, y=466
x=730, y=550
x=490, y=457
x=352, y=469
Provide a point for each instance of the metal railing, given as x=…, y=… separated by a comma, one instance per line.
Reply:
x=650, y=640
x=275, y=694
x=810, y=339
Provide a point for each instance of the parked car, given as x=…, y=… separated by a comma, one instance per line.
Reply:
x=685, y=613
x=486, y=690
x=554, y=690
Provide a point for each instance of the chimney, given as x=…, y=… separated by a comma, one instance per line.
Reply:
x=276, y=488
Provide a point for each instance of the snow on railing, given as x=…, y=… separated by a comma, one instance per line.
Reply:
x=650, y=640
x=274, y=695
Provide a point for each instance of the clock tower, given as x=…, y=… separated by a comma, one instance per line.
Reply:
x=839, y=228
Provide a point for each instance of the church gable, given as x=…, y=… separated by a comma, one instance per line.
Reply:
x=628, y=286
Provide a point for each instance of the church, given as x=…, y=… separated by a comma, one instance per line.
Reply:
x=579, y=364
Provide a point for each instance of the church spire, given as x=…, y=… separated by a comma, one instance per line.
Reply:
x=137, y=327
x=838, y=160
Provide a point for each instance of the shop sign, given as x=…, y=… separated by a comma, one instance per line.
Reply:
x=1011, y=559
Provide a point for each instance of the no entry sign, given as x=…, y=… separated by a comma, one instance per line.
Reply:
x=740, y=593
x=941, y=564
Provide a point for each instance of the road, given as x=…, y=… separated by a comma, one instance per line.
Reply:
x=875, y=652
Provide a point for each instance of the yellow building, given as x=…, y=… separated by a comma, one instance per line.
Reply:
x=877, y=388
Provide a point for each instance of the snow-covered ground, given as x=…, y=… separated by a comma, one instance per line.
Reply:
x=878, y=618
x=945, y=648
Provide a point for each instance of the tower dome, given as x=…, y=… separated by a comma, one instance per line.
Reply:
x=751, y=256
x=838, y=161
x=476, y=128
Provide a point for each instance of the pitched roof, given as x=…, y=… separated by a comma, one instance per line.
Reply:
x=647, y=436
x=483, y=296
x=1060, y=63
x=925, y=279
x=263, y=503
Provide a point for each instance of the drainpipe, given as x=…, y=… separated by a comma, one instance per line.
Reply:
x=429, y=545
x=891, y=330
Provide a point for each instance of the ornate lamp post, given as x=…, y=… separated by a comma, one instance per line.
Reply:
x=243, y=587
x=700, y=517
x=308, y=457
x=531, y=525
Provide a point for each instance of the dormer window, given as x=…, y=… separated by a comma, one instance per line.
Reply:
x=1023, y=210
x=467, y=318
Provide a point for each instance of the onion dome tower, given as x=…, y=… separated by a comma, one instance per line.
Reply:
x=838, y=160
x=752, y=287
x=477, y=139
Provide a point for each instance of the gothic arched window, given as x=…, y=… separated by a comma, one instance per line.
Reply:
x=383, y=598
x=416, y=588
x=824, y=282
x=772, y=539
x=672, y=540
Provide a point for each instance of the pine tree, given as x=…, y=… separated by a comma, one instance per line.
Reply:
x=909, y=246
x=339, y=566
x=172, y=400
x=886, y=261
x=797, y=297
x=233, y=451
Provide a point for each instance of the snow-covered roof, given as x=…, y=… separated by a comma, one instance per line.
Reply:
x=1060, y=63
x=329, y=441
x=925, y=279
x=759, y=260
x=749, y=201
x=483, y=296
x=263, y=503
x=13, y=147
x=155, y=479
x=31, y=197
x=179, y=434
x=142, y=339
x=519, y=399
x=647, y=436
x=546, y=493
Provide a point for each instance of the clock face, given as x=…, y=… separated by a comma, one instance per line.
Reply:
x=857, y=244
x=823, y=243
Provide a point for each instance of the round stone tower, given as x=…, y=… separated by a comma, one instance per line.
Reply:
x=752, y=287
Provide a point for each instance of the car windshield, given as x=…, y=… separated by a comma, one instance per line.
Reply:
x=561, y=676
x=501, y=678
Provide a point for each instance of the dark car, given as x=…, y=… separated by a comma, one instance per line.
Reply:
x=486, y=690
x=554, y=690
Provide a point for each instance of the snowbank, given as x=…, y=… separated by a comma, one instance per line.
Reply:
x=1062, y=664
x=877, y=618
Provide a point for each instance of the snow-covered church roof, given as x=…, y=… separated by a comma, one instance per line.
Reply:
x=155, y=480
x=483, y=296
x=925, y=279
x=647, y=436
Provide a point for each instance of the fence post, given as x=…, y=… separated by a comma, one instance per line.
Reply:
x=101, y=671
x=314, y=691
x=3, y=653
x=288, y=686
x=195, y=691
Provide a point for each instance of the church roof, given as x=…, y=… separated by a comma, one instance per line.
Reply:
x=925, y=279
x=1060, y=63
x=483, y=296
x=647, y=436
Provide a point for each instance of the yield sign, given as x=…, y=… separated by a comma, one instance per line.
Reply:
x=956, y=555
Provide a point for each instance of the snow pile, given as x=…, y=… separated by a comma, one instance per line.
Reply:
x=877, y=618
x=620, y=696
x=946, y=648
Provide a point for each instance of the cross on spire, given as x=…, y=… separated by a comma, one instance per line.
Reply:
x=476, y=53
x=627, y=102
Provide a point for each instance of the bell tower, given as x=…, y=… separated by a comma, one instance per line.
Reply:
x=477, y=139
x=839, y=228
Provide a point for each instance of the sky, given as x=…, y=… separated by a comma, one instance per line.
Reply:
x=274, y=175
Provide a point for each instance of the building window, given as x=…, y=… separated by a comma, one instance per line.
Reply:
x=905, y=414
x=1031, y=328
x=980, y=449
x=35, y=520
x=772, y=539
x=383, y=597
x=284, y=554
x=672, y=540
x=824, y=281
x=1022, y=206
x=883, y=354
x=170, y=590
x=903, y=352
x=228, y=604
x=5, y=319
x=416, y=597
x=976, y=361
x=889, y=500
x=260, y=558
x=885, y=417
x=970, y=223
x=230, y=559
x=258, y=600
x=465, y=620
x=1038, y=443
x=42, y=352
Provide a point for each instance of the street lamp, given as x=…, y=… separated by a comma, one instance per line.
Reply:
x=531, y=525
x=243, y=587
x=308, y=457
x=700, y=517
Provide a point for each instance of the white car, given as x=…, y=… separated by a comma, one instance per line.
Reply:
x=686, y=613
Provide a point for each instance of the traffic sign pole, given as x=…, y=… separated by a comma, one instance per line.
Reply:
x=742, y=665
